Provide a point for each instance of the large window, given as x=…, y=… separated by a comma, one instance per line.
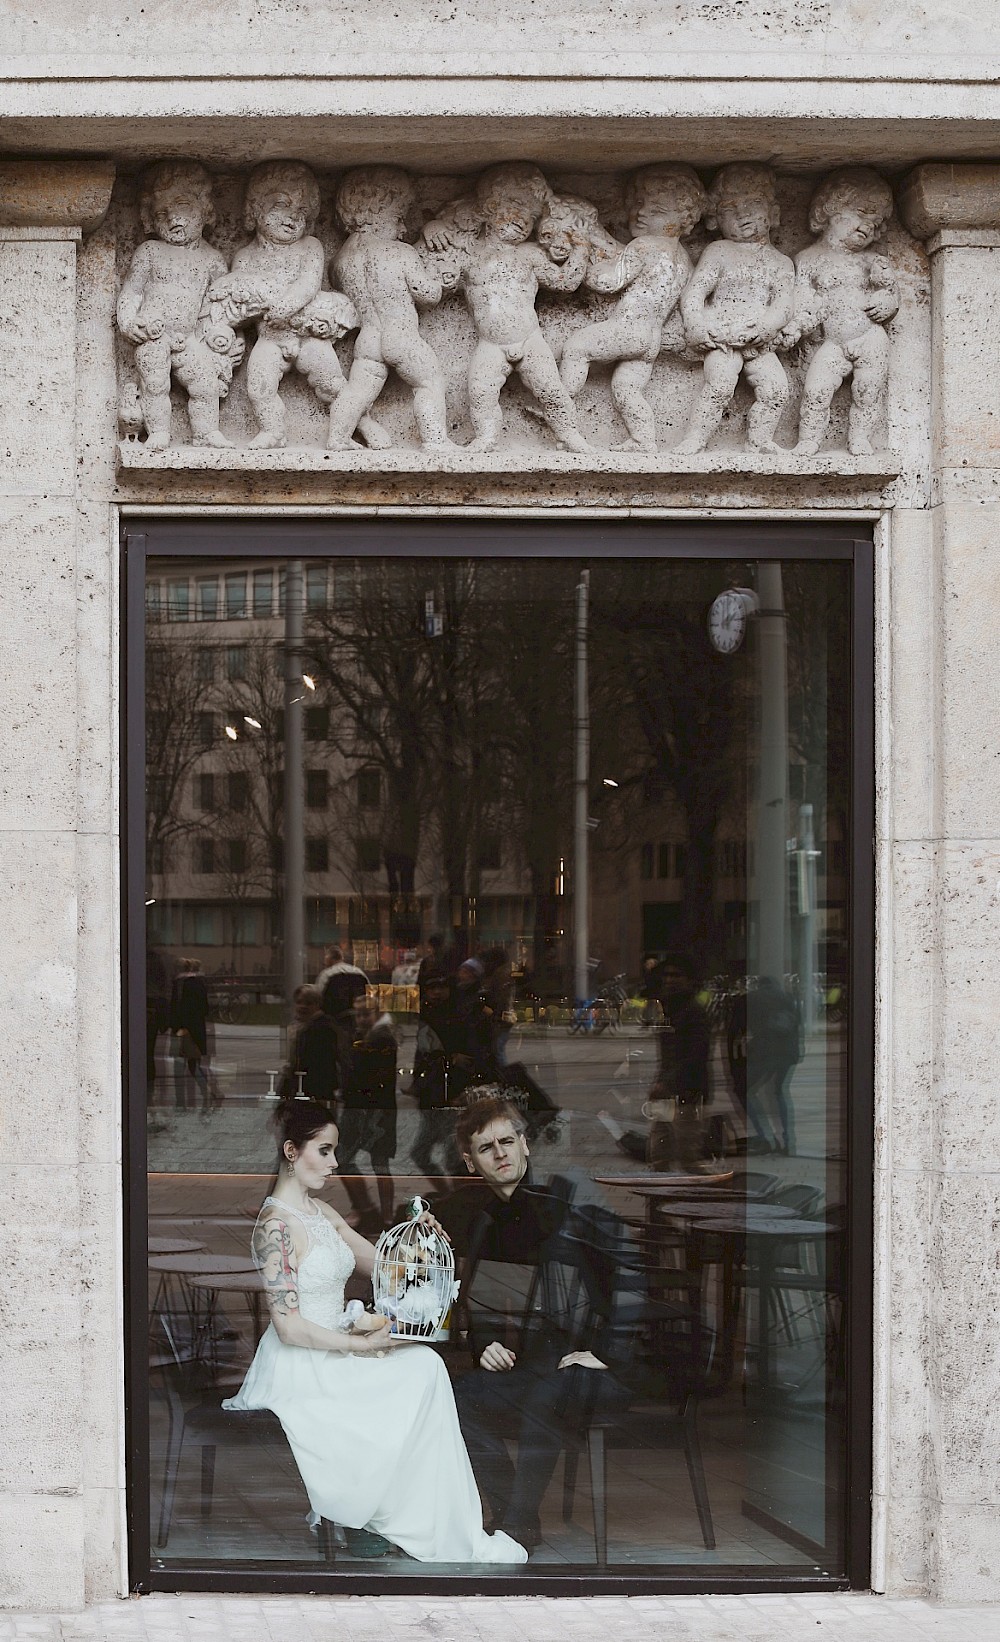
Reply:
x=591, y=844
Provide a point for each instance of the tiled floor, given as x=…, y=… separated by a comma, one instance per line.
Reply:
x=842, y=1618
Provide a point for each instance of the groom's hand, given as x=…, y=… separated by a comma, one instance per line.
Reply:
x=582, y=1359
x=496, y=1359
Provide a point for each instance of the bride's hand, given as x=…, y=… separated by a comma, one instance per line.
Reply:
x=374, y=1343
x=370, y=1322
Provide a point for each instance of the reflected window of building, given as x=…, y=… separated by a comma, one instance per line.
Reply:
x=316, y=588
x=239, y=855
x=263, y=593
x=317, y=855
x=317, y=789
x=238, y=791
x=317, y=722
x=205, y=784
x=178, y=599
x=646, y=861
x=205, y=664
x=154, y=601
x=369, y=789
x=663, y=861
x=208, y=598
x=205, y=729
x=204, y=855
x=236, y=596
x=236, y=661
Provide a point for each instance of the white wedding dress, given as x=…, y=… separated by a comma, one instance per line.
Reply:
x=376, y=1440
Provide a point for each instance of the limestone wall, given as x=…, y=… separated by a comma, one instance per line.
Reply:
x=62, y=478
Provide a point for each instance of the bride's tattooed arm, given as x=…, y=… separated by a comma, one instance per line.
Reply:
x=277, y=1261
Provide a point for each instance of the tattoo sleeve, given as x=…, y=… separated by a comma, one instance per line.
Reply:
x=274, y=1254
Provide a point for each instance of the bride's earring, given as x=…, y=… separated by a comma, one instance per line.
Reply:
x=289, y=1164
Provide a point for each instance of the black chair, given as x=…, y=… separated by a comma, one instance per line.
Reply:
x=195, y=1415
x=606, y=1308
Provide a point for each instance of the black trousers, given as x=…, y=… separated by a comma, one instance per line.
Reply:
x=541, y=1409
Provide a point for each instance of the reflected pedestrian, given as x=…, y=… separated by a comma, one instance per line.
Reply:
x=684, y=1042
x=368, y=1118
x=189, y=1023
x=316, y=1050
x=774, y=1048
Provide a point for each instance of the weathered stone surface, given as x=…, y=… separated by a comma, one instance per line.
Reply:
x=55, y=193
x=938, y=196
x=37, y=343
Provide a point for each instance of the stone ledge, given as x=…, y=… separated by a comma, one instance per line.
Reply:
x=55, y=193
x=133, y=456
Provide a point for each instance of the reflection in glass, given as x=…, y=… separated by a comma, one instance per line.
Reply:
x=524, y=822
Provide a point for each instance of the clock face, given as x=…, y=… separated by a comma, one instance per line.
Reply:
x=727, y=622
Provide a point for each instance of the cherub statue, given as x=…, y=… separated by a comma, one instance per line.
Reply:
x=275, y=279
x=387, y=280
x=846, y=293
x=484, y=250
x=736, y=306
x=161, y=301
x=314, y=330
x=664, y=203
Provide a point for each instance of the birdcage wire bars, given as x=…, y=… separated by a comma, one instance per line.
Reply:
x=414, y=1277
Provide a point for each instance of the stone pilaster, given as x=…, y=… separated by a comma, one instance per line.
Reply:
x=49, y=1254
x=942, y=1153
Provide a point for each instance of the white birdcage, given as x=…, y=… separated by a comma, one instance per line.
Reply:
x=414, y=1278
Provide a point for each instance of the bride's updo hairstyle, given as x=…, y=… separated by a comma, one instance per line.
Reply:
x=299, y=1121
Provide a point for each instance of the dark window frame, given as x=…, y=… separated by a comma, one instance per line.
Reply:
x=192, y=539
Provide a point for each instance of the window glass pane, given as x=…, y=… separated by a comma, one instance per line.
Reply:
x=178, y=595
x=263, y=592
x=316, y=584
x=208, y=598
x=236, y=597
x=621, y=893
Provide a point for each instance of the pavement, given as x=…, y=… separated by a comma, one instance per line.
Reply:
x=842, y=1617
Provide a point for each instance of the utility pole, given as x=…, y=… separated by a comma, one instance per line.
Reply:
x=772, y=796
x=294, y=780
x=581, y=791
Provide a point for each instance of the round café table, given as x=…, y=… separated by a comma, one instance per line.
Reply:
x=173, y=1245
x=179, y=1269
x=213, y=1285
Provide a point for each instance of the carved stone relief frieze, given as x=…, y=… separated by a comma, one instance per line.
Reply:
x=653, y=312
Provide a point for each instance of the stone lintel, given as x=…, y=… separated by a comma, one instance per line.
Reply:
x=134, y=456
x=982, y=239
x=940, y=197
x=54, y=194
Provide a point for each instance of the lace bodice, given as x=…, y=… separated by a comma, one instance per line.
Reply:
x=323, y=1269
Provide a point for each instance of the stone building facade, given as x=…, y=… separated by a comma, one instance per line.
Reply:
x=575, y=103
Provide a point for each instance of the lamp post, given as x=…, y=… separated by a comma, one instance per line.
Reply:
x=294, y=780
x=581, y=790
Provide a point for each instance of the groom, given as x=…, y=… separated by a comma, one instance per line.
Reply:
x=527, y=1381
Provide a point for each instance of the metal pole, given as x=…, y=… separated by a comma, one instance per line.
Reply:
x=772, y=801
x=807, y=853
x=581, y=795
x=294, y=779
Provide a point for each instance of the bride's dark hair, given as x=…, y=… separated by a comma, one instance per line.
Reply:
x=299, y=1121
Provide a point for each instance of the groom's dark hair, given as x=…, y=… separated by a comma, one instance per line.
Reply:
x=487, y=1105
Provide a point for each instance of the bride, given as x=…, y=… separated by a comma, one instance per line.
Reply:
x=371, y=1423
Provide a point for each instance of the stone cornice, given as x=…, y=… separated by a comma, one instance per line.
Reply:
x=47, y=194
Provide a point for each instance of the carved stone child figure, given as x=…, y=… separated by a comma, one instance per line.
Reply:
x=736, y=305
x=162, y=298
x=500, y=273
x=387, y=280
x=664, y=203
x=273, y=278
x=845, y=292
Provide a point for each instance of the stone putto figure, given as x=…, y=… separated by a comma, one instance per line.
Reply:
x=736, y=306
x=387, y=281
x=846, y=293
x=274, y=279
x=161, y=302
x=664, y=203
x=484, y=249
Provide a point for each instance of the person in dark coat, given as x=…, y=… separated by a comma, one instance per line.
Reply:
x=189, y=1023
x=368, y=1118
x=684, y=1042
x=316, y=1051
